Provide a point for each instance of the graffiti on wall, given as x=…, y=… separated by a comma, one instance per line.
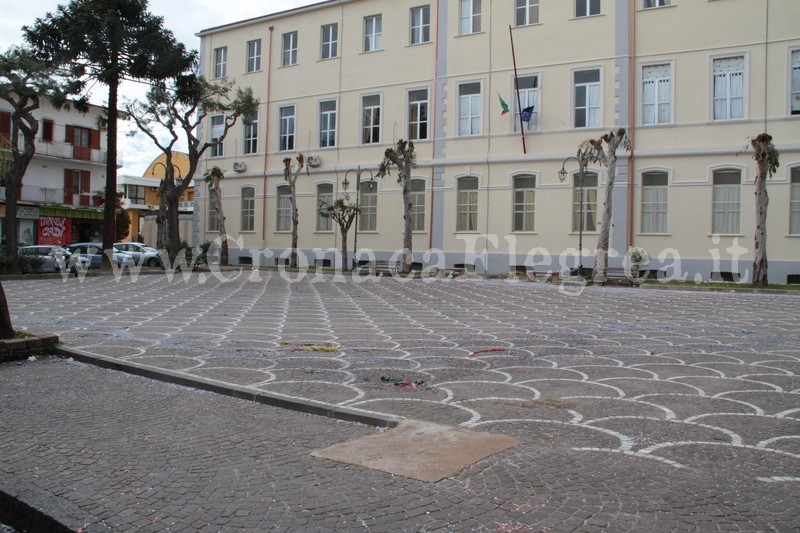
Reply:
x=55, y=230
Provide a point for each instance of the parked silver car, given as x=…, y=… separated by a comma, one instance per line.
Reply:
x=141, y=253
x=55, y=258
x=93, y=252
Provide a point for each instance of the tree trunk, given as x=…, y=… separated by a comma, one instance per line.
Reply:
x=345, y=259
x=601, y=250
x=223, y=235
x=408, y=256
x=295, y=222
x=172, y=232
x=11, y=227
x=6, y=329
x=110, y=206
x=762, y=202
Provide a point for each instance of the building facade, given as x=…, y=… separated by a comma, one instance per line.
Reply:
x=690, y=80
x=63, y=191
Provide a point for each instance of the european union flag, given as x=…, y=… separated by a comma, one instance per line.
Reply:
x=526, y=114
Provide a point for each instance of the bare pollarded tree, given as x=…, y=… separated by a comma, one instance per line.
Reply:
x=290, y=173
x=767, y=160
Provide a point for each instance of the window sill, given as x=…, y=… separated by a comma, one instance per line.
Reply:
x=656, y=126
x=793, y=235
x=283, y=232
x=588, y=16
x=585, y=233
x=368, y=232
x=247, y=232
x=469, y=34
x=654, y=8
x=414, y=45
x=467, y=232
x=367, y=52
x=323, y=232
x=654, y=234
x=290, y=66
x=253, y=72
x=729, y=121
x=324, y=59
x=726, y=235
x=532, y=24
x=525, y=233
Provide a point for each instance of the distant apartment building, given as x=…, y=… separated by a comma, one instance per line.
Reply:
x=690, y=80
x=62, y=193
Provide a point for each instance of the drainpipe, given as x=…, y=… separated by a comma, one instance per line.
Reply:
x=266, y=140
x=432, y=129
x=631, y=116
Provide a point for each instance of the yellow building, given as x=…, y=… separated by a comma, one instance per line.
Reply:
x=690, y=80
x=141, y=199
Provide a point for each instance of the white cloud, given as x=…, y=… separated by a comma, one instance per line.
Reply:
x=137, y=152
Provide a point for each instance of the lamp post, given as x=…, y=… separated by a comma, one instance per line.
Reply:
x=562, y=176
x=345, y=184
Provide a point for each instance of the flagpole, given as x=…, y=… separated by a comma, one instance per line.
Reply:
x=516, y=89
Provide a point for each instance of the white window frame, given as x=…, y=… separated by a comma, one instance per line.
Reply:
x=254, y=55
x=527, y=97
x=587, y=8
x=794, y=82
x=660, y=85
x=286, y=128
x=726, y=80
x=524, y=198
x=415, y=108
x=324, y=224
x=220, y=62
x=373, y=32
x=588, y=106
x=467, y=204
x=655, y=203
x=327, y=123
x=417, y=199
x=329, y=41
x=368, y=206
x=726, y=203
x=371, y=118
x=289, y=49
x=212, y=211
x=470, y=110
x=794, y=201
x=283, y=209
x=250, y=136
x=590, y=194
x=420, y=25
x=248, y=208
x=526, y=12
x=469, y=17
x=217, y=129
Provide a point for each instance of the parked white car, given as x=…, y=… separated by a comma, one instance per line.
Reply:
x=93, y=252
x=141, y=253
x=56, y=259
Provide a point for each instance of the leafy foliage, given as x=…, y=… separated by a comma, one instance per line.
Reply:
x=764, y=150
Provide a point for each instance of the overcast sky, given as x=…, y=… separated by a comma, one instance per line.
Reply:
x=184, y=18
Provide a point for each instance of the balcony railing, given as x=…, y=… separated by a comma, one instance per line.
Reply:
x=68, y=151
x=55, y=196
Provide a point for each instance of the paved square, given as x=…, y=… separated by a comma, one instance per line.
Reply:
x=674, y=402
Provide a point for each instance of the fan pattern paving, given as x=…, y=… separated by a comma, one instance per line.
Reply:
x=680, y=378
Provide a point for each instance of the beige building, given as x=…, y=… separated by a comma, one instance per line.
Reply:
x=690, y=80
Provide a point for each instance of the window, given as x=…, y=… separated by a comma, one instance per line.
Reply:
x=529, y=100
x=469, y=109
x=420, y=24
x=327, y=124
x=248, y=209
x=470, y=16
x=47, y=130
x=524, y=202
x=795, y=96
x=726, y=202
x=284, y=222
x=251, y=135
x=527, y=12
x=286, y=131
x=418, y=114
x=417, y=198
x=289, y=49
x=585, y=8
x=655, y=3
x=220, y=62
x=654, y=202
x=330, y=41
x=794, y=203
x=136, y=194
x=587, y=98
x=82, y=137
x=324, y=199
x=729, y=88
x=254, y=55
x=656, y=94
x=217, y=130
x=213, y=223
x=368, y=204
x=5, y=126
x=467, y=204
x=371, y=119
x=589, y=202
x=372, y=33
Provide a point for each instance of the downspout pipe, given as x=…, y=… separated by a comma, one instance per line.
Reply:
x=266, y=140
x=631, y=117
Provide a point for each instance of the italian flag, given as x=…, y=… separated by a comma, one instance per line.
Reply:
x=503, y=104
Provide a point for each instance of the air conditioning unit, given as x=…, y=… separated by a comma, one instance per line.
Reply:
x=239, y=166
x=314, y=161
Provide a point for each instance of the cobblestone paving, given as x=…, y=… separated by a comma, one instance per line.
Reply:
x=675, y=408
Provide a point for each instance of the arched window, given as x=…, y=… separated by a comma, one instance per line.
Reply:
x=324, y=199
x=589, y=202
x=654, y=202
x=524, y=202
x=467, y=204
x=248, y=209
x=284, y=222
x=727, y=199
x=417, y=192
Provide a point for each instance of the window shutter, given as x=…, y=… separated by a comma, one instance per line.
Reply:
x=68, y=186
x=85, y=187
x=5, y=124
x=94, y=139
x=70, y=134
x=47, y=130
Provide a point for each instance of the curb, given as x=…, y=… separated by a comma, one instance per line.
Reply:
x=29, y=508
x=234, y=391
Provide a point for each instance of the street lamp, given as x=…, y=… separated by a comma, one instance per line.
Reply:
x=562, y=176
x=345, y=184
x=176, y=167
